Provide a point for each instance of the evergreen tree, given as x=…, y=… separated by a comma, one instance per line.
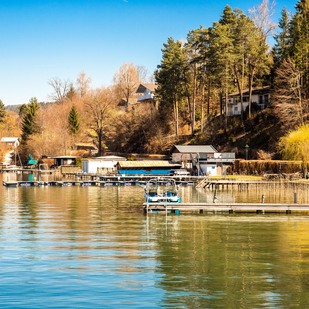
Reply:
x=248, y=52
x=291, y=77
x=29, y=123
x=282, y=47
x=2, y=112
x=191, y=85
x=299, y=30
x=73, y=121
x=171, y=77
x=221, y=59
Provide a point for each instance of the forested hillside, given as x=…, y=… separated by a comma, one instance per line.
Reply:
x=193, y=83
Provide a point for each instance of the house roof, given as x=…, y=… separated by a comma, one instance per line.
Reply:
x=86, y=145
x=195, y=148
x=106, y=158
x=9, y=139
x=142, y=87
x=147, y=163
x=260, y=90
x=64, y=157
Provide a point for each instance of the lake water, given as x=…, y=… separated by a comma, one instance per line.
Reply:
x=92, y=247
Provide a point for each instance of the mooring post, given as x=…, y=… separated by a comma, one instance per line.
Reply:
x=215, y=196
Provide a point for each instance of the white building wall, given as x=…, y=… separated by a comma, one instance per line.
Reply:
x=92, y=166
x=209, y=169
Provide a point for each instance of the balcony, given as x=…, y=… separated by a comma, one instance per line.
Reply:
x=144, y=97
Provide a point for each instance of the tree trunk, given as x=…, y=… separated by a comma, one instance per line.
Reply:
x=175, y=107
x=226, y=97
x=194, y=98
x=251, y=75
x=100, y=140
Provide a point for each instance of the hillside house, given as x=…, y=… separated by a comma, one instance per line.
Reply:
x=10, y=142
x=89, y=148
x=146, y=92
x=203, y=159
x=141, y=98
x=146, y=96
x=260, y=96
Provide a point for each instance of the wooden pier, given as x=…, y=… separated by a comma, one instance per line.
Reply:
x=65, y=183
x=98, y=180
x=229, y=208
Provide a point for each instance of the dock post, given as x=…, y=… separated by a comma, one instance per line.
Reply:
x=295, y=198
x=215, y=196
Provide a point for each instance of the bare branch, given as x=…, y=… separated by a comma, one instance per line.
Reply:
x=60, y=89
x=262, y=17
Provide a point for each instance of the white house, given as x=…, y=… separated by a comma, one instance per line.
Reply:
x=260, y=96
x=11, y=142
x=101, y=165
x=146, y=92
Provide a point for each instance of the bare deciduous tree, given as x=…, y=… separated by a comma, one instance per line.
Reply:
x=262, y=17
x=83, y=84
x=289, y=104
x=60, y=89
x=99, y=104
x=127, y=79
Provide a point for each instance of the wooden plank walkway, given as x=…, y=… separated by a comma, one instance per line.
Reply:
x=63, y=183
x=203, y=208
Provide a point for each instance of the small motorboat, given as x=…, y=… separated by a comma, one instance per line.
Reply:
x=160, y=190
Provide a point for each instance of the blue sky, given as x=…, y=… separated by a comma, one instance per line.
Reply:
x=41, y=40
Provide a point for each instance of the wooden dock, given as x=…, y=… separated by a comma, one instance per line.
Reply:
x=15, y=184
x=229, y=208
x=87, y=180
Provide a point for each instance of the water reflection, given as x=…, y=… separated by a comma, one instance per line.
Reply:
x=232, y=262
x=92, y=247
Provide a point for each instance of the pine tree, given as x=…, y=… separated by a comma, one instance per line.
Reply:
x=73, y=121
x=299, y=30
x=29, y=123
x=171, y=76
x=282, y=47
x=2, y=112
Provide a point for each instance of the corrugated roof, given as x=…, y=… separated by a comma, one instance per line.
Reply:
x=195, y=148
x=147, y=163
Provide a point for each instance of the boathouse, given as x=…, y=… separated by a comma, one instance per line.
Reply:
x=101, y=165
x=147, y=167
x=64, y=160
x=203, y=159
